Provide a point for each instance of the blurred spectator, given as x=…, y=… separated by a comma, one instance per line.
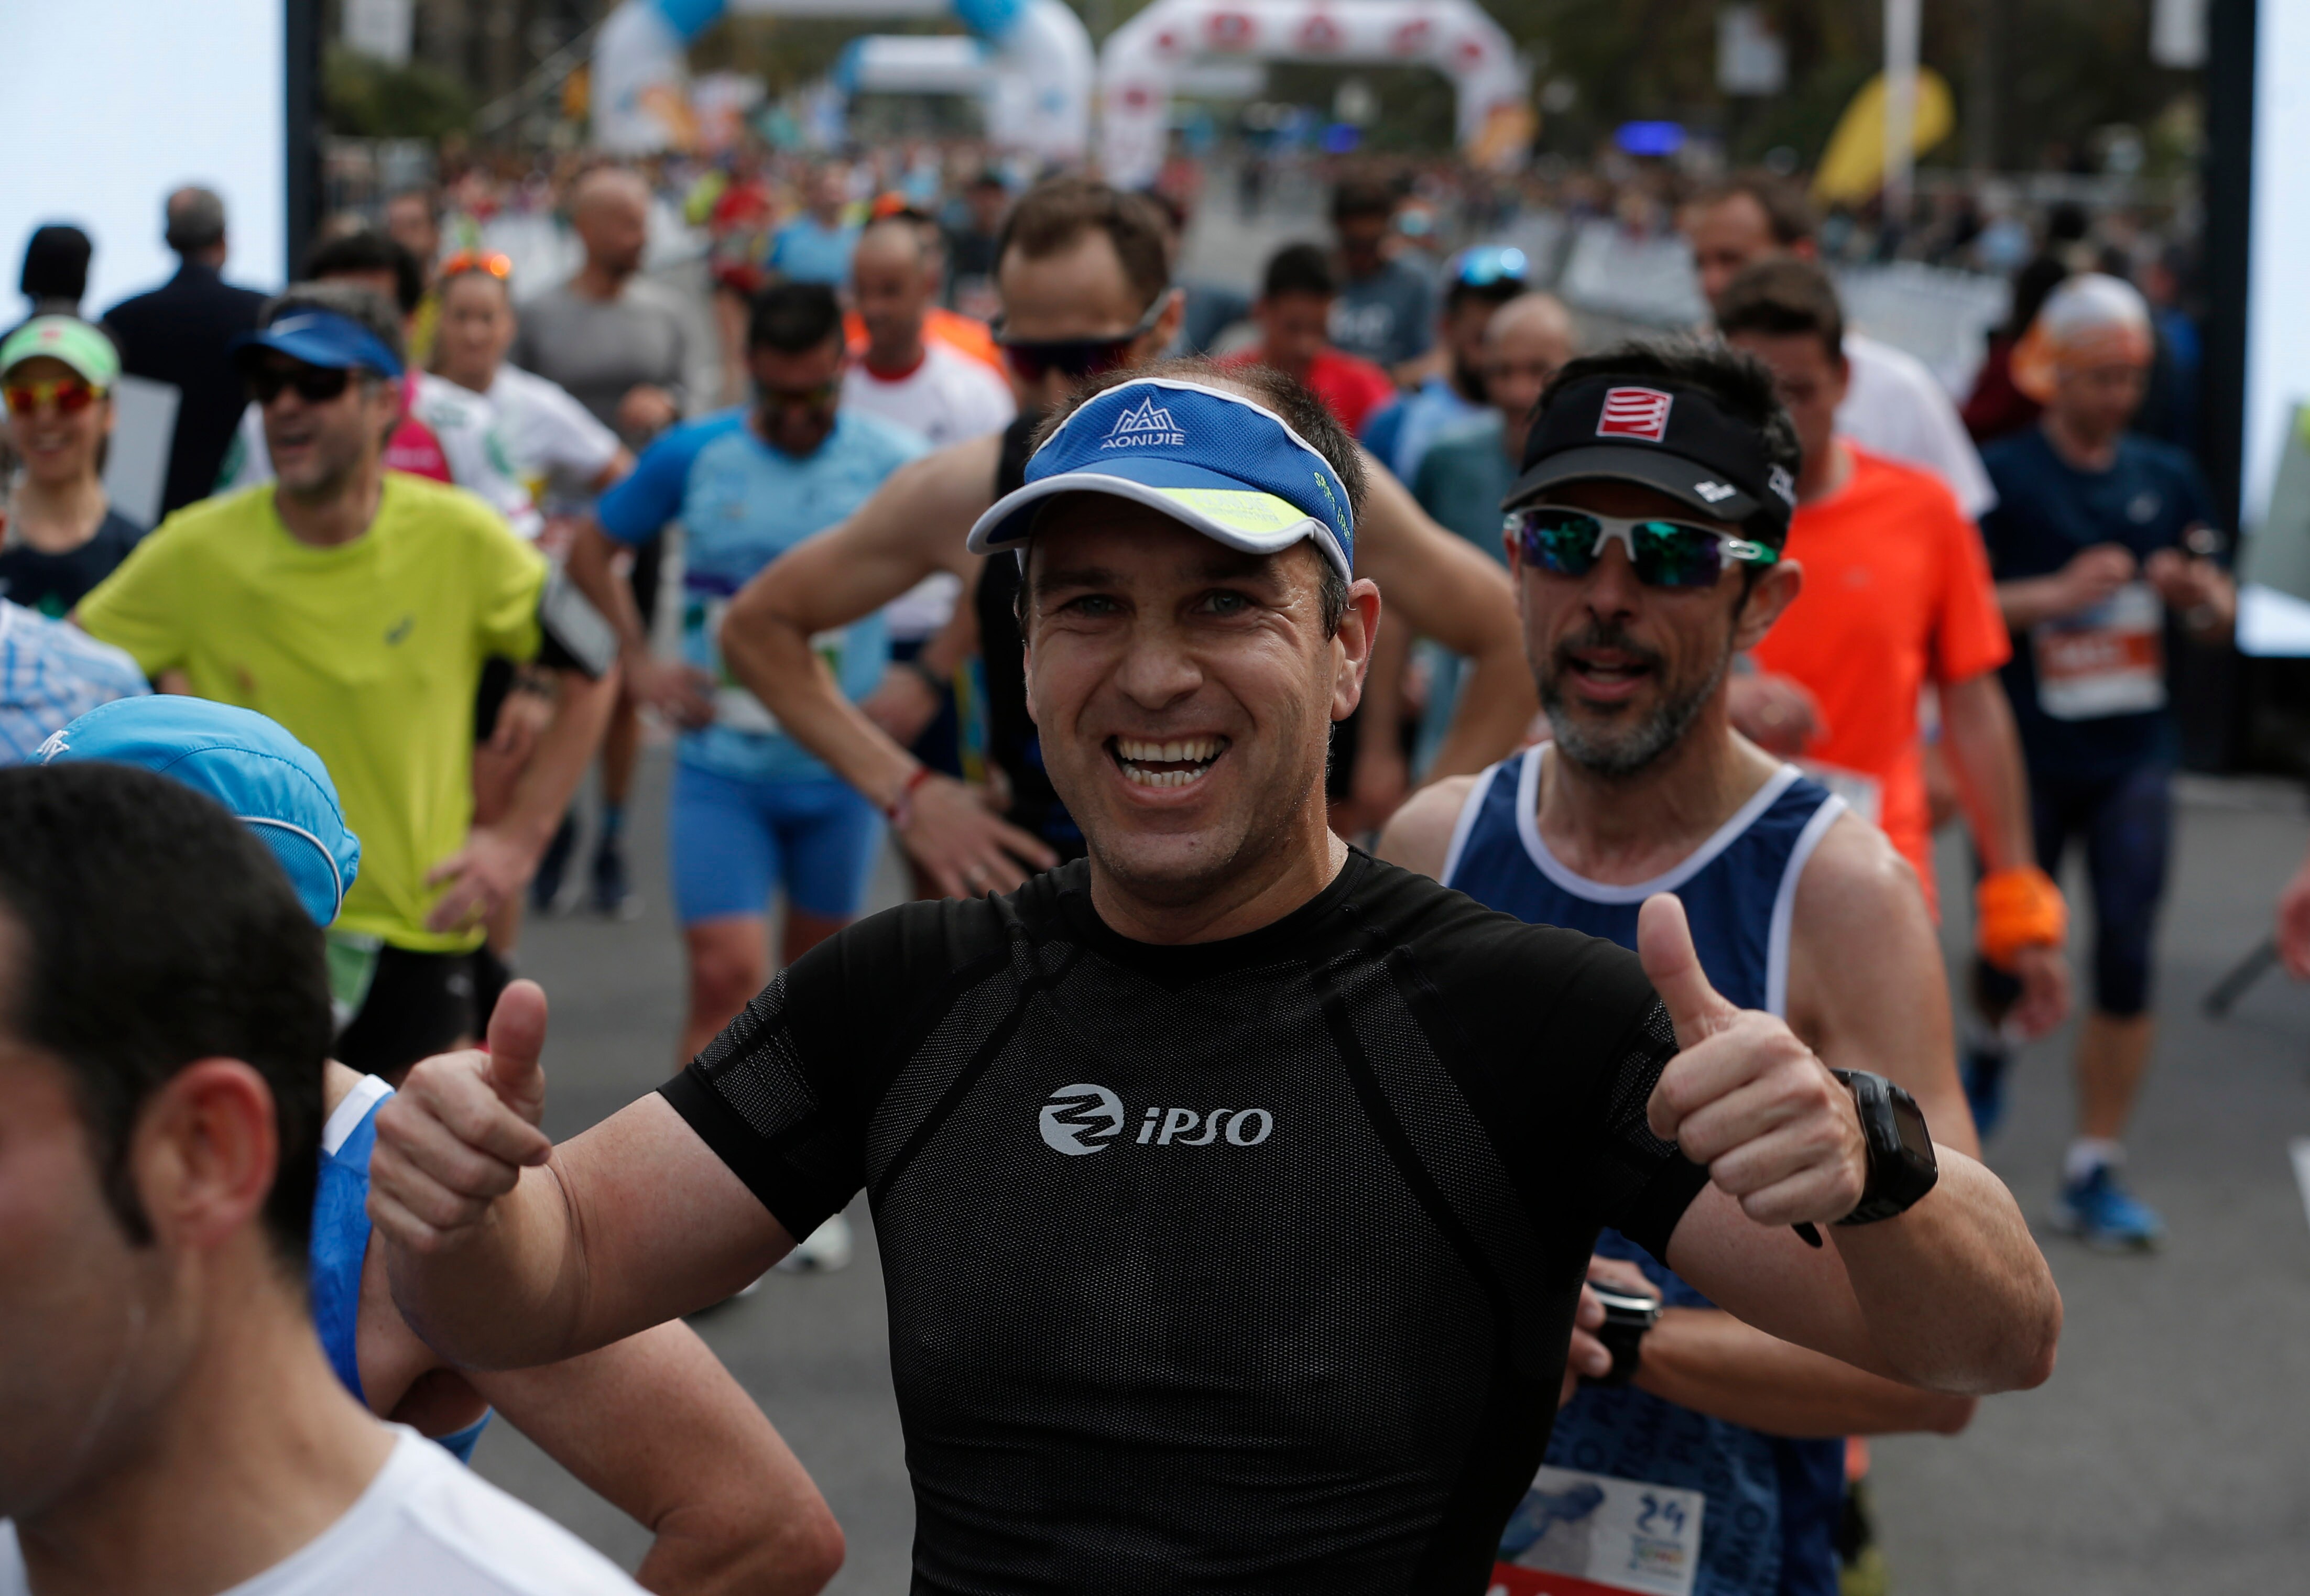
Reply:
x=2170, y=412
x=1995, y=408
x=1385, y=311
x=179, y=335
x=905, y=373
x=618, y=344
x=1464, y=475
x=63, y=536
x=971, y=241
x=1294, y=312
x=815, y=247
x=56, y=269
x=412, y=220
x=1893, y=405
x=1483, y=279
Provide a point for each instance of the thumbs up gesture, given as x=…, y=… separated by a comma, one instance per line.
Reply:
x=1744, y=1096
x=460, y=1131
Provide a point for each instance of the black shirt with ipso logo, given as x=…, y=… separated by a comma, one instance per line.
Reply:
x=1242, y=1266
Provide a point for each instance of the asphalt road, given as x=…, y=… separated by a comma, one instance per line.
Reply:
x=2169, y=1453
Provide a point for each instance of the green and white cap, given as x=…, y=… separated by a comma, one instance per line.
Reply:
x=68, y=338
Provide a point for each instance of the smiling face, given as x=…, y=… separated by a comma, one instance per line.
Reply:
x=319, y=445
x=1184, y=691
x=1625, y=670
x=59, y=446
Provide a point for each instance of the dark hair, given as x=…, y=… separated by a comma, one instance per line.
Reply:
x=1738, y=383
x=1783, y=296
x=1361, y=197
x=794, y=317
x=2033, y=285
x=367, y=252
x=1299, y=269
x=1053, y=215
x=56, y=263
x=349, y=299
x=153, y=930
x=192, y=220
x=1788, y=212
x=1301, y=410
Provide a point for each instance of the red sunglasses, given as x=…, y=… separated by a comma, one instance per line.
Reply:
x=69, y=394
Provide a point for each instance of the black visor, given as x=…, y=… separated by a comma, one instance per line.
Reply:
x=1661, y=435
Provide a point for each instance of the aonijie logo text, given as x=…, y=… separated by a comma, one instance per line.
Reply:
x=1083, y=1118
x=1143, y=425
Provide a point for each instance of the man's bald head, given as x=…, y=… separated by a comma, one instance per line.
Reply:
x=890, y=284
x=609, y=207
x=1524, y=343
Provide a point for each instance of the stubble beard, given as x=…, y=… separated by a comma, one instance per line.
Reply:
x=1618, y=758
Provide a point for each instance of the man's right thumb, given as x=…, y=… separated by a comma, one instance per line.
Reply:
x=517, y=1042
x=1664, y=944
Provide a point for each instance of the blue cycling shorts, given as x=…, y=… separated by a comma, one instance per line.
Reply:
x=734, y=842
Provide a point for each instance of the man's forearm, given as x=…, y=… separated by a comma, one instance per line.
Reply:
x=581, y=715
x=1706, y=1360
x=1954, y=1292
x=2030, y=600
x=504, y=1294
x=1984, y=755
x=771, y=652
x=589, y=569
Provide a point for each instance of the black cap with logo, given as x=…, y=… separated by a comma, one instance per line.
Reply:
x=1661, y=434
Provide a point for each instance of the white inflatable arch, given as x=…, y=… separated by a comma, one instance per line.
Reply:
x=1142, y=60
x=1038, y=65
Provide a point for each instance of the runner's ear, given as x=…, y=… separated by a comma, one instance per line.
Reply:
x=1775, y=588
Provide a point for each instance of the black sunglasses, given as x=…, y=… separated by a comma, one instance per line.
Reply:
x=1075, y=357
x=315, y=384
x=1568, y=542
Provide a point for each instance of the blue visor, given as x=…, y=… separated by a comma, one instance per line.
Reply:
x=322, y=338
x=276, y=784
x=1225, y=465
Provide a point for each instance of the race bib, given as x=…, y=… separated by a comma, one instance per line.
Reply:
x=2109, y=660
x=1578, y=1534
x=735, y=707
x=1864, y=795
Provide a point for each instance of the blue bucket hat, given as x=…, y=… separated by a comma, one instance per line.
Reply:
x=276, y=784
x=1223, y=463
x=320, y=338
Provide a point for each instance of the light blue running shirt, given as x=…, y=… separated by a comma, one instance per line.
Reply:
x=741, y=504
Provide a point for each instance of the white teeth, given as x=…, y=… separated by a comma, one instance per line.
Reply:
x=1189, y=750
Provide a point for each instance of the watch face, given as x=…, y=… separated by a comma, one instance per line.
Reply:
x=1916, y=1140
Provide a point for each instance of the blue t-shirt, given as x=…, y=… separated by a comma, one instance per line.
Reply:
x=2096, y=722
x=1401, y=433
x=804, y=251
x=741, y=504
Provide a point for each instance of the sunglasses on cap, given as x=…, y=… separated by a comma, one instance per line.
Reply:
x=1488, y=263
x=69, y=394
x=1568, y=542
x=1075, y=357
x=466, y=262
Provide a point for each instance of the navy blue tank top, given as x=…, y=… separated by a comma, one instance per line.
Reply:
x=339, y=1244
x=1773, y=1504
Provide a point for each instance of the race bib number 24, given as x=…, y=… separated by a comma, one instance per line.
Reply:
x=1578, y=1534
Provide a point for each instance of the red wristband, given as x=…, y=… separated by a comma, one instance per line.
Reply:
x=902, y=807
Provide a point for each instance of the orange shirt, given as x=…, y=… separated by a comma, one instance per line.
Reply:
x=1897, y=593
x=967, y=333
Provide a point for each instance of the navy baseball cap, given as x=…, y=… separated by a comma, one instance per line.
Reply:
x=1223, y=463
x=277, y=785
x=1663, y=435
x=321, y=338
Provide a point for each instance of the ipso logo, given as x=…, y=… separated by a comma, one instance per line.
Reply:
x=1084, y=1118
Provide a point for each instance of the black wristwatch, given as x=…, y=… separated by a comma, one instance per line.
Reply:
x=1626, y=1317
x=1901, y=1165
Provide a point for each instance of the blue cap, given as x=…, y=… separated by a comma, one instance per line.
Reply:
x=322, y=338
x=244, y=761
x=1224, y=463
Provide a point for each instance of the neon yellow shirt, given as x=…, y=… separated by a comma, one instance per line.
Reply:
x=369, y=653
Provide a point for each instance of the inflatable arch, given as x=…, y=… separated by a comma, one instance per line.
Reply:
x=1038, y=66
x=1141, y=61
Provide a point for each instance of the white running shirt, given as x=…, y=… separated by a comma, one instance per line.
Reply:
x=556, y=446
x=950, y=398
x=1894, y=407
x=426, y=1526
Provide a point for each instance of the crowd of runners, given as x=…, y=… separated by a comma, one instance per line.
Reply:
x=1420, y=1057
